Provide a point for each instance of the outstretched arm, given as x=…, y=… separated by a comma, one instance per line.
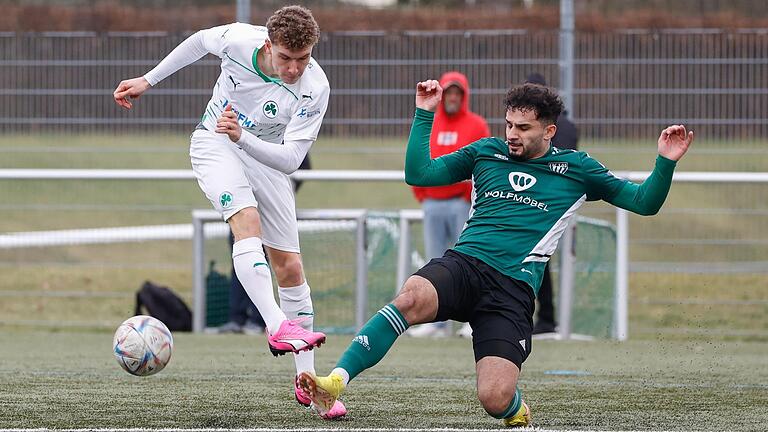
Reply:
x=420, y=168
x=190, y=50
x=647, y=198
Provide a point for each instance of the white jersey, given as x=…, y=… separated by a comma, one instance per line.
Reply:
x=267, y=107
x=280, y=123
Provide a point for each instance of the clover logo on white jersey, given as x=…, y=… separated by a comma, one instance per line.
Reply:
x=270, y=109
x=225, y=199
x=521, y=181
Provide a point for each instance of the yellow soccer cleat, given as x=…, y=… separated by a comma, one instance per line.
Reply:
x=521, y=418
x=323, y=391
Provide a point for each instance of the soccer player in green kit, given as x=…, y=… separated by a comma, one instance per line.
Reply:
x=526, y=192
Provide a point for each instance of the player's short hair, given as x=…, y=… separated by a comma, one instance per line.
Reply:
x=293, y=27
x=544, y=101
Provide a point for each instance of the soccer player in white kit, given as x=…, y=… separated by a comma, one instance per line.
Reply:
x=264, y=115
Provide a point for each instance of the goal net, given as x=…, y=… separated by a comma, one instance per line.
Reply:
x=335, y=258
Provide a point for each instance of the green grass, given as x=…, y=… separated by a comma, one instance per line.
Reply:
x=70, y=379
x=699, y=306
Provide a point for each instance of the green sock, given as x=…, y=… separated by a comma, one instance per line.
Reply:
x=372, y=342
x=514, y=405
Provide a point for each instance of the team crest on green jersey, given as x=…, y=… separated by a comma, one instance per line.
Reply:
x=558, y=167
x=225, y=199
x=270, y=109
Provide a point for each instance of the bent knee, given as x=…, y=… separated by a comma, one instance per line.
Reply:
x=245, y=223
x=290, y=272
x=496, y=401
x=246, y=214
x=412, y=294
x=417, y=300
x=405, y=301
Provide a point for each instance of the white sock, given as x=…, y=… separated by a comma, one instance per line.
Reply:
x=252, y=270
x=297, y=303
x=344, y=375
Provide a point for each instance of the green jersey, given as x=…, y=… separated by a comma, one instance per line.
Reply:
x=522, y=207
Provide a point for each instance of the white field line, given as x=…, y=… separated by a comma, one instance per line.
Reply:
x=528, y=429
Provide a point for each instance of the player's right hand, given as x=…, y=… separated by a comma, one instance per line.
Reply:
x=674, y=142
x=130, y=89
x=428, y=95
x=227, y=124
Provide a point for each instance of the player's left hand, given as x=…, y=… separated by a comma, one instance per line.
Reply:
x=674, y=142
x=227, y=124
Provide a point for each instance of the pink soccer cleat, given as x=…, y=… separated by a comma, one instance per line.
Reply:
x=336, y=412
x=301, y=397
x=291, y=337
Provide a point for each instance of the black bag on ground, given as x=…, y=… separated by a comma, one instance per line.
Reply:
x=161, y=303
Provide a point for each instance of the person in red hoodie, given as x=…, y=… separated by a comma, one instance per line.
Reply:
x=446, y=208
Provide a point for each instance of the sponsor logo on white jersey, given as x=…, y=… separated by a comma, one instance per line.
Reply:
x=521, y=181
x=362, y=340
x=248, y=123
x=308, y=114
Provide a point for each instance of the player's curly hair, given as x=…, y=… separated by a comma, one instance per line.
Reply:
x=544, y=101
x=293, y=27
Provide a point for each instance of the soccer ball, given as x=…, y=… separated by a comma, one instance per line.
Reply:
x=142, y=345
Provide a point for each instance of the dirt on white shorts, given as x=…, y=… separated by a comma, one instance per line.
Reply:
x=232, y=181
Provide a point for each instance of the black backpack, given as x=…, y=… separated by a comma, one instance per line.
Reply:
x=161, y=303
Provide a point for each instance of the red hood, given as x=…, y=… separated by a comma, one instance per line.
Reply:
x=460, y=80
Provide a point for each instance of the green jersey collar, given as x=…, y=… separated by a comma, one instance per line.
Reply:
x=258, y=70
x=264, y=76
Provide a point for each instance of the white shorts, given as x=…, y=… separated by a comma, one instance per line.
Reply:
x=232, y=181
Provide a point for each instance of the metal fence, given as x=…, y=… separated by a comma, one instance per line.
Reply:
x=626, y=84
